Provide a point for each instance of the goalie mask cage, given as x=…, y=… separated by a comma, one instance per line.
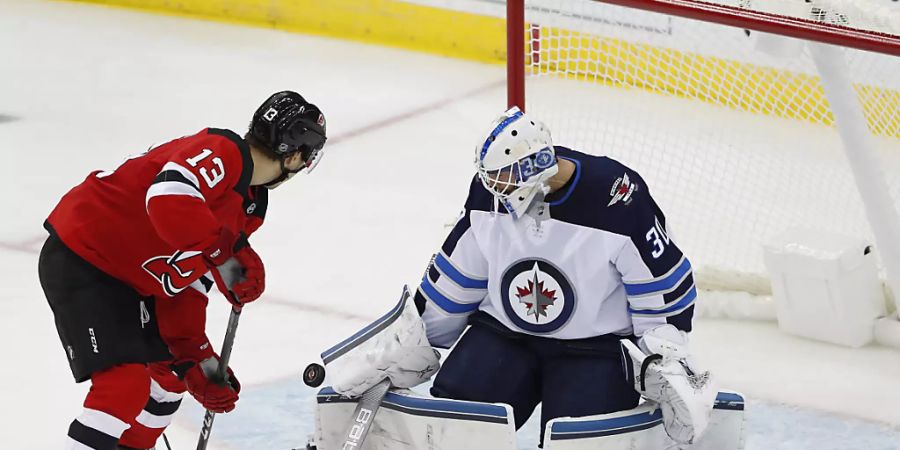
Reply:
x=746, y=117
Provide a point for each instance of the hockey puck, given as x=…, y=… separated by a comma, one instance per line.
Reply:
x=314, y=375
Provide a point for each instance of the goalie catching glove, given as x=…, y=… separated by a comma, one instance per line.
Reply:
x=400, y=352
x=665, y=373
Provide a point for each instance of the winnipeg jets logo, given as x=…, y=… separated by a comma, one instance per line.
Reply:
x=176, y=272
x=622, y=190
x=537, y=296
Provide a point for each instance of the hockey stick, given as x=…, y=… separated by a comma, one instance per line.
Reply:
x=221, y=372
x=364, y=415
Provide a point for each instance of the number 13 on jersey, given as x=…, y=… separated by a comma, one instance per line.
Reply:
x=212, y=176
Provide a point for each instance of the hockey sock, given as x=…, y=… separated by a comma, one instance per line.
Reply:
x=116, y=397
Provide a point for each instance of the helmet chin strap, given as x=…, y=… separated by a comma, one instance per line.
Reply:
x=285, y=175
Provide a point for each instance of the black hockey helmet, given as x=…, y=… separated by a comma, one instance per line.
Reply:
x=286, y=123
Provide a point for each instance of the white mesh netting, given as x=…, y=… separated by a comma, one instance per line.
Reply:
x=730, y=128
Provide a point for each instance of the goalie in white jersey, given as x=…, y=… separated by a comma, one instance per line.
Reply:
x=557, y=256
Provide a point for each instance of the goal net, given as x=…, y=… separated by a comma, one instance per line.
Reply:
x=731, y=127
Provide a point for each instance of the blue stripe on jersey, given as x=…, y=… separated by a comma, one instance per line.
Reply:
x=444, y=302
x=497, y=130
x=679, y=291
x=686, y=301
x=458, y=277
x=661, y=285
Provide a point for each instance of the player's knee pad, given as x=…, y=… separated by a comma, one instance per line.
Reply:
x=121, y=391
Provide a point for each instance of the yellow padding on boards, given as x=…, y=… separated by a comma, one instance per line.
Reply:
x=582, y=56
x=718, y=81
x=387, y=22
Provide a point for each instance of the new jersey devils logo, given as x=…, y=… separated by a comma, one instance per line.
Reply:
x=176, y=272
x=536, y=295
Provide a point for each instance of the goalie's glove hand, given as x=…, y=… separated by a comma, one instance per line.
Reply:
x=406, y=367
x=215, y=394
x=237, y=269
x=400, y=352
x=665, y=373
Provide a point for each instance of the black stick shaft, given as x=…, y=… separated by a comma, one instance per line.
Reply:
x=221, y=371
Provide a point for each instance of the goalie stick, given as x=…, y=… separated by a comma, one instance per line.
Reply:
x=364, y=415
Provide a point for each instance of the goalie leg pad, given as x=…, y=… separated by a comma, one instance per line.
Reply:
x=407, y=421
x=641, y=428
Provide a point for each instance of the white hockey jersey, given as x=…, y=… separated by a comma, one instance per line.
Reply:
x=603, y=263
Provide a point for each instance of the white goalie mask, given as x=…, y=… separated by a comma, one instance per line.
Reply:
x=515, y=160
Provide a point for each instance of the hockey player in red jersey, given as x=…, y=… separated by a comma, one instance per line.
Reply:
x=133, y=252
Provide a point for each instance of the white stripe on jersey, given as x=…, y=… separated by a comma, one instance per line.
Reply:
x=183, y=171
x=459, y=269
x=161, y=395
x=446, y=286
x=171, y=188
x=102, y=422
x=153, y=421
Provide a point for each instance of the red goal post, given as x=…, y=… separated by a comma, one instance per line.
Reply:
x=613, y=77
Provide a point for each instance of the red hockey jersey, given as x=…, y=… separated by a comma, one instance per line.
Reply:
x=146, y=222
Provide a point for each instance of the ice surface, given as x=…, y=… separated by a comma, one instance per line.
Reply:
x=83, y=86
x=281, y=416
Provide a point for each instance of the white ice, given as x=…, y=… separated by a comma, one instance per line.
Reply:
x=83, y=86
